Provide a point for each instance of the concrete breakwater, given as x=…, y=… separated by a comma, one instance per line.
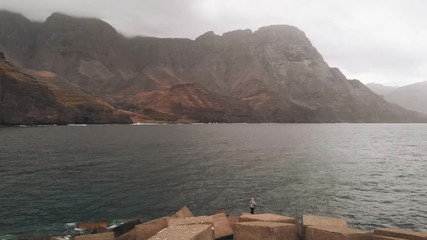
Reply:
x=184, y=226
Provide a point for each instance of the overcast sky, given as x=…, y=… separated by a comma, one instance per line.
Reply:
x=382, y=41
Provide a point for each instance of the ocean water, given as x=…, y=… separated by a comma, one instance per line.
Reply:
x=371, y=174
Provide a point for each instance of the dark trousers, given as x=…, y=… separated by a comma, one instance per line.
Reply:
x=252, y=210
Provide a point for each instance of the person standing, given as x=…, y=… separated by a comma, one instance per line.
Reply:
x=252, y=205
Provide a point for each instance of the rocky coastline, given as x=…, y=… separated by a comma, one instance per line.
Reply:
x=183, y=225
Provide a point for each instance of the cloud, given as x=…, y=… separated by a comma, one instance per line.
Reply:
x=373, y=41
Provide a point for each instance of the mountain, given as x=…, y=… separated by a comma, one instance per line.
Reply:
x=273, y=74
x=26, y=100
x=380, y=89
x=413, y=97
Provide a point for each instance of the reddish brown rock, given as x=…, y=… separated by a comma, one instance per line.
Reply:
x=265, y=231
x=266, y=217
x=400, y=233
x=92, y=225
x=27, y=100
x=222, y=226
x=186, y=232
x=146, y=230
x=184, y=212
x=99, y=229
x=98, y=236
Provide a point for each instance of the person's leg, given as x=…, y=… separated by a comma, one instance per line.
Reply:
x=252, y=210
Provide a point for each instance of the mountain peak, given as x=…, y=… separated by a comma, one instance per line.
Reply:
x=273, y=74
x=238, y=33
x=207, y=35
x=279, y=27
x=58, y=21
x=64, y=16
x=6, y=13
x=286, y=33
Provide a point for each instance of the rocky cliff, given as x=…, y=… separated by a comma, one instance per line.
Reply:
x=27, y=100
x=271, y=75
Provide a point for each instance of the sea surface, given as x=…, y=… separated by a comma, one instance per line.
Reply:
x=51, y=177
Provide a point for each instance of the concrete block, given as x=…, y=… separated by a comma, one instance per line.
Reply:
x=325, y=233
x=233, y=219
x=400, y=233
x=222, y=211
x=265, y=231
x=126, y=227
x=191, y=220
x=186, y=232
x=183, y=213
x=355, y=234
x=130, y=235
x=222, y=226
x=146, y=230
x=335, y=233
x=375, y=237
x=266, y=217
x=312, y=220
x=98, y=236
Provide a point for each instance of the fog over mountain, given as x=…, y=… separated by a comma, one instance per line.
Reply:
x=413, y=97
x=374, y=41
x=273, y=74
x=380, y=89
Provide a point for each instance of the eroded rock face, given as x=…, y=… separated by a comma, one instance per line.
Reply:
x=23, y=100
x=273, y=74
x=27, y=100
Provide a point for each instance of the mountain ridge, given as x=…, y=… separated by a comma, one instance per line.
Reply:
x=413, y=96
x=30, y=101
x=275, y=73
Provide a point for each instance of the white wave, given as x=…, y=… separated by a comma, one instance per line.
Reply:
x=71, y=225
x=142, y=123
x=79, y=229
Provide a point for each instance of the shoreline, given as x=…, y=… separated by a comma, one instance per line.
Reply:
x=223, y=226
x=201, y=123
